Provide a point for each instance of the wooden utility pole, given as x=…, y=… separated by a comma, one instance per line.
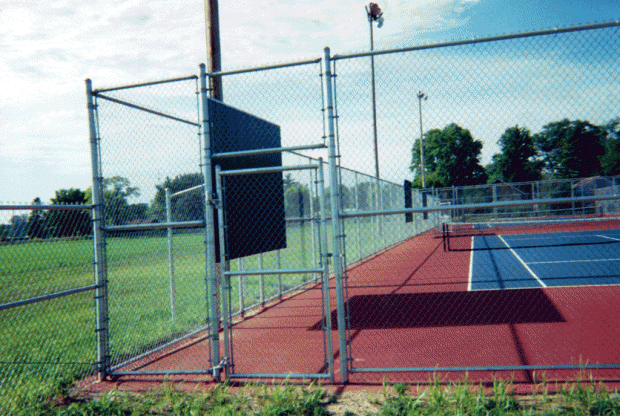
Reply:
x=214, y=62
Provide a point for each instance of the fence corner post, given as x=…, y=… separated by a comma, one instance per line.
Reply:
x=335, y=213
x=101, y=296
x=211, y=272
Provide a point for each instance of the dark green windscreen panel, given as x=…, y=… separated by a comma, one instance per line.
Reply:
x=408, y=200
x=253, y=204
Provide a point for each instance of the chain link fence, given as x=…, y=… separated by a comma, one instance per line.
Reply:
x=150, y=144
x=534, y=190
x=47, y=314
x=154, y=271
x=443, y=114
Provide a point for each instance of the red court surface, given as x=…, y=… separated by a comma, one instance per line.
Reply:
x=410, y=307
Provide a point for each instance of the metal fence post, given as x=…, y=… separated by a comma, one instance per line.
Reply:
x=212, y=291
x=173, y=306
x=101, y=281
x=323, y=249
x=225, y=280
x=279, y=266
x=335, y=213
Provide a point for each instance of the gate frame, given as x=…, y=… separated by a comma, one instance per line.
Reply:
x=228, y=359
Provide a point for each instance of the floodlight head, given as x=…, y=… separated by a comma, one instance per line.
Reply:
x=375, y=13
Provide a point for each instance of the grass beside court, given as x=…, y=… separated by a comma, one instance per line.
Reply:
x=48, y=344
x=436, y=397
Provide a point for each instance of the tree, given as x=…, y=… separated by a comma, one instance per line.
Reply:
x=186, y=207
x=516, y=162
x=116, y=191
x=4, y=232
x=36, y=221
x=68, y=223
x=571, y=149
x=18, y=227
x=451, y=157
x=296, y=200
x=610, y=161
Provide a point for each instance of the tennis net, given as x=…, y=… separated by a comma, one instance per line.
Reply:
x=536, y=232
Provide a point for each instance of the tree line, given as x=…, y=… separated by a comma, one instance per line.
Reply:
x=57, y=223
x=299, y=203
x=561, y=150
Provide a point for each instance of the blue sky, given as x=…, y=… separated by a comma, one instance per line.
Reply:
x=49, y=48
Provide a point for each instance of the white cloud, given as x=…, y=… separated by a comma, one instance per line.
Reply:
x=49, y=48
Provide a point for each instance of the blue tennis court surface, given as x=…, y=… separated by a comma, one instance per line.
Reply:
x=545, y=260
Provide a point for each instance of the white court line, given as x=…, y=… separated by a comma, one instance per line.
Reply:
x=522, y=262
x=611, y=238
x=571, y=261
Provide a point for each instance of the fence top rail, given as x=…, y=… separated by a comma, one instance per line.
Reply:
x=155, y=226
x=267, y=151
x=187, y=190
x=574, y=182
x=553, y=31
x=265, y=67
x=145, y=84
x=252, y=171
x=15, y=207
x=148, y=110
x=342, y=168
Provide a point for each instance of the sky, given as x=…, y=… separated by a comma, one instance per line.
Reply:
x=49, y=48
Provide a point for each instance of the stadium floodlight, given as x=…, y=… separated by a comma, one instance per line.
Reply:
x=422, y=96
x=375, y=14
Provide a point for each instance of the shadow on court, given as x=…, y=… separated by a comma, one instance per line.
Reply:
x=420, y=310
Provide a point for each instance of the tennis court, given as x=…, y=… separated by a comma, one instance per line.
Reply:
x=430, y=308
x=531, y=254
x=412, y=313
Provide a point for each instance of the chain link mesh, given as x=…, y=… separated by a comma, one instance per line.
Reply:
x=416, y=294
x=400, y=279
x=150, y=145
x=47, y=315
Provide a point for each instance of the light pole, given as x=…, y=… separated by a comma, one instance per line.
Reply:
x=421, y=96
x=374, y=15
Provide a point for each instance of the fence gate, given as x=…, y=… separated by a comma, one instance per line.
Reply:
x=288, y=287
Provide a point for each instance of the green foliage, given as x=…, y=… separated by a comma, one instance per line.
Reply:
x=516, y=161
x=436, y=398
x=116, y=192
x=288, y=399
x=610, y=162
x=451, y=157
x=571, y=149
x=63, y=223
x=296, y=198
x=185, y=207
x=284, y=399
x=36, y=221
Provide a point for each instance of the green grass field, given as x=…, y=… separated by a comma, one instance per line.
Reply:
x=53, y=342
